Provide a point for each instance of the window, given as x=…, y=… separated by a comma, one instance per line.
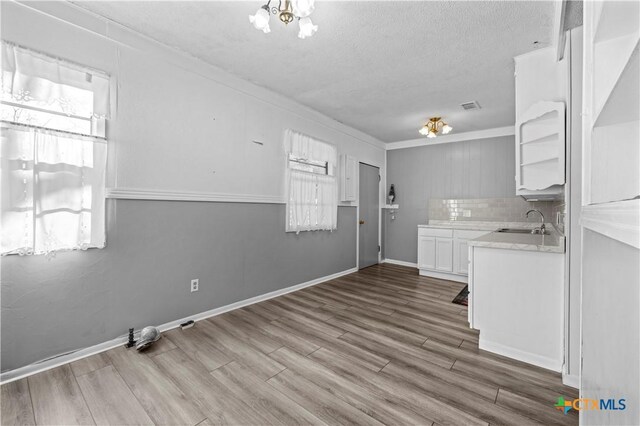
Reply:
x=53, y=153
x=312, y=189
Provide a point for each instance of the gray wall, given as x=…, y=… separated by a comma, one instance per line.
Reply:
x=77, y=299
x=472, y=169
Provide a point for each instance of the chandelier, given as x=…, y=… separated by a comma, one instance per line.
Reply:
x=433, y=126
x=287, y=11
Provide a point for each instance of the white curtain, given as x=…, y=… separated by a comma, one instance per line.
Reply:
x=53, y=153
x=312, y=199
x=39, y=80
x=52, y=191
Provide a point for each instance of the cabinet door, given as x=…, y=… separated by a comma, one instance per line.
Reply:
x=461, y=257
x=444, y=254
x=348, y=184
x=426, y=252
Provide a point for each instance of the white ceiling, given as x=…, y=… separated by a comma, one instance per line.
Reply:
x=381, y=67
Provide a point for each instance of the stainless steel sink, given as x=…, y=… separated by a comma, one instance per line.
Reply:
x=521, y=231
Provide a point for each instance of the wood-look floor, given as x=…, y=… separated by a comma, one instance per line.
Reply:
x=380, y=346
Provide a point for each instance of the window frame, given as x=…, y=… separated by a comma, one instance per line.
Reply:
x=96, y=117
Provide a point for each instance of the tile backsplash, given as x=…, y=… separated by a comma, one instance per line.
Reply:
x=511, y=209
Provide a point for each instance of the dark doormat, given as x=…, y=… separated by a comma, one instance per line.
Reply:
x=463, y=297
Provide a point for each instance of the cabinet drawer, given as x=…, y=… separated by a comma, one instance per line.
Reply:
x=435, y=232
x=465, y=234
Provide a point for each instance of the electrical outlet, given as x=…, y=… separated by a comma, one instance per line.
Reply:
x=195, y=285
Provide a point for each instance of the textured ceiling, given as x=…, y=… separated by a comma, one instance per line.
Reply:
x=381, y=67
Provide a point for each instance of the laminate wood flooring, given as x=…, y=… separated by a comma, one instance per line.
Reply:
x=380, y=346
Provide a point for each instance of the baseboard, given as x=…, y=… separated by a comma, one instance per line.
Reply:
x=29, y=370
x=529, y=358
x=572, y=380
x=444, y=276
x=400, y=262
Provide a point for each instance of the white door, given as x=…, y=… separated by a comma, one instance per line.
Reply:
x=444, y=254
x=426, y=252
x=461, y=257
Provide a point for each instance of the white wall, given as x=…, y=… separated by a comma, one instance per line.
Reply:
x=175, y=121
x=178, y=123
x=610, y=328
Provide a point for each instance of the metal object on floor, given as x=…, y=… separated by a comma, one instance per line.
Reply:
x=148, y=336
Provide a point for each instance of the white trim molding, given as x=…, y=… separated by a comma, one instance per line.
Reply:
x=456, y=137
x=572, y=380
x=449, y=276
x=559, y=34
x=520, y=355
x=38, y=367
x=619, y=220
x=169, y=195
x=400, y=262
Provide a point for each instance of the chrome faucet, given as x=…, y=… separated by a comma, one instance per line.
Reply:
x=542, y=226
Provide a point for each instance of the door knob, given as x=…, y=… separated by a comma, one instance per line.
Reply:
x=361, y=222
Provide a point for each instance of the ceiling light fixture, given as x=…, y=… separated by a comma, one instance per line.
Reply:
x=287, y=11
x=433, y=126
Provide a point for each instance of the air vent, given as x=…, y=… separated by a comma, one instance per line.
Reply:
x=470, y=105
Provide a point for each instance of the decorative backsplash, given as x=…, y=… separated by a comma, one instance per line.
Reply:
x=511, y=209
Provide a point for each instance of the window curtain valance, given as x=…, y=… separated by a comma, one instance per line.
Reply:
x=312, y=198
x=34, y=79
x=305, y=146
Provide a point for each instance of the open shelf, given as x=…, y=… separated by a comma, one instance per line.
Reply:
x=544, y=160
x=552, y=137
x=540, y=137
x=615, y=69
x=615, y=151
x=615, y=19
x=611, y=129
x=619, y=106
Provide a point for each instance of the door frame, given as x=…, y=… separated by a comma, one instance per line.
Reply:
x=358, y=215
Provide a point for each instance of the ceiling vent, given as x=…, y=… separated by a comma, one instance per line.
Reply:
x=470, y=105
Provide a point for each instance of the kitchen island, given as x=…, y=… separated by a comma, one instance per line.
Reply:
x=516, y=295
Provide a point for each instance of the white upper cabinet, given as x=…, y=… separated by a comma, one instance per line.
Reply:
x=540, y=146
x=348, y=178
x=542, y=91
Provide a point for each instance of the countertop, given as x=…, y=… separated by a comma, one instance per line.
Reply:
x=478, y=225
x=552, y=243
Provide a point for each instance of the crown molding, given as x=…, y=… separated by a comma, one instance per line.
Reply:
x=456, y=137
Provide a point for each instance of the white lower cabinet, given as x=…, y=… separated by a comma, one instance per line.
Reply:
x=443, y=253
x=426, y=252
x=516, y=301
x=461, y=257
